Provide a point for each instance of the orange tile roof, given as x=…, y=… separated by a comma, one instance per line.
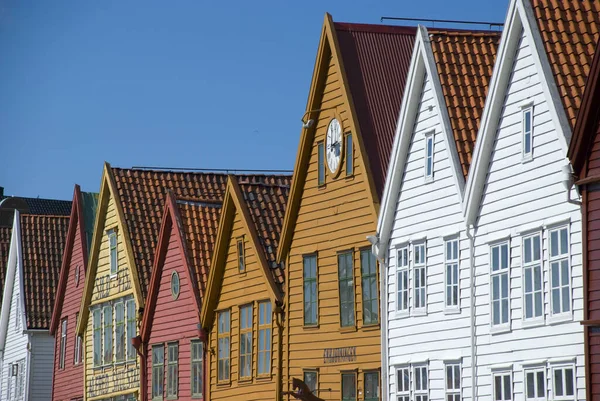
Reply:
x=569, y=30
x=143, y=194
x=42, y=240
x=266, y=204
x=464, y=61
x=200, y=223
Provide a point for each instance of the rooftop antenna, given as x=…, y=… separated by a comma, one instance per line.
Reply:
x=445, y=21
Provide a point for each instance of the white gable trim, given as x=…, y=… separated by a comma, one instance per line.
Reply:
x=422, y=62
x=14, y=260
x=520, y=17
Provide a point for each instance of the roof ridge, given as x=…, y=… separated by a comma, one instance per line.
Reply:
x=45, y=215
x=208, y=172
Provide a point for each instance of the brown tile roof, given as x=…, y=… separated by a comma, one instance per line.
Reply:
x=142, y=194
x=569, y=30
x=464, y=61
x=376, y=61
x=266, y=204
x=5, y=233
x=200, y=223
x=52, y=207
x=42, y=240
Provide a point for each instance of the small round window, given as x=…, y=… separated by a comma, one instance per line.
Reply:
x=77, y=273
x=175, y=285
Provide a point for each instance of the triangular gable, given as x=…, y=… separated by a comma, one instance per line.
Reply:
x=520, y=20
x=329, y=46
x=75, y=222
x=171, y=221
x=107, y=189
x=234, y=201
x=14, y=258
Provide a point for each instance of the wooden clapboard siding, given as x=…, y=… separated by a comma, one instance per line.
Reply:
x=239, y=289
x=521, y=197
x=68, y=382
x=42, y=361
x=335, y=217
x=174, y=320
x=429, y=212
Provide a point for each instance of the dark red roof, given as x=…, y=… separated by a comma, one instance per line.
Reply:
x=376, y=61
x=42, y=241
x=5, y=233
x=143, y=194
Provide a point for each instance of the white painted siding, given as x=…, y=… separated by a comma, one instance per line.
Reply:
x=429, y=212
x=519, y=197
x=16, y=341
x=42, y=364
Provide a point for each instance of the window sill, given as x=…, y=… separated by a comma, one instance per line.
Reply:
x=264, y=377
x=556, y=319
x=197, y=397
x=370, y=327
x=172, y=397
x=499, y=329
x=531, y=323
x=526, y=159
x=452, y=311
x=348, y=329
x=417, y=313
x=245, y=380
x=311, y=327
x=402, y=315
x=224, y=383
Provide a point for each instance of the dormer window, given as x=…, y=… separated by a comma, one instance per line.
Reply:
x=429, y=157
x=527, y=132
x=112, y=246
x=240, y=256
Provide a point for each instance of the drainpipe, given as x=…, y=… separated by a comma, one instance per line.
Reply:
x=374, y=240
x=142, y=350
x=470, y=233
x=568, y=180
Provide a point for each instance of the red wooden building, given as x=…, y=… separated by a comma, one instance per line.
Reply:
x=171, y=331
x=67, y=381
x=584, y=153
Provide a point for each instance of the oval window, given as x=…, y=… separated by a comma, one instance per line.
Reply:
x=77, y=273
x=175, y=285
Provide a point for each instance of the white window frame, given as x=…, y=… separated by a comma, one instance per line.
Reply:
x=448, y=284
x=563, y=367
x=502, y=373
x=429, y=140
x=421, y=394
x=130, y=351
x=116, y=339
x=98, y=363
x=78, y=354
x=113, y=269
x=64, y=323
x=528, y=108
x=417, y=267
x=403, y=268
x=405, y=394
x=452, y=392
x=531, y=265
x=535, y=370
x=558, y=259
x=502, y=326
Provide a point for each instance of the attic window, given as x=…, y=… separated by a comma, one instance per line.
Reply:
x=429, y=157
x=349, y=155
x=175, y=285
x=527, y=132
x=112, y=246
x=240, y=255
x=77, y=273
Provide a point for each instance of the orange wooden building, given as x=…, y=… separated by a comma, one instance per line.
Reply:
x=332, y=333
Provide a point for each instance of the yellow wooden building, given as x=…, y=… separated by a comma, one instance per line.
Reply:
x=332, y=334
x=242, y=311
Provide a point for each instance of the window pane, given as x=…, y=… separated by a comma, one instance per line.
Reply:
x=553, y=243
x=507, y=388
x=569, y=381
x=349, y=155
x=558, y=382
x=498, y=388
x=564, y=241
x=527, y=250
x=536, y=248
x=530, y=384
x=348, y=387
x=310, y=379
x=321, y=164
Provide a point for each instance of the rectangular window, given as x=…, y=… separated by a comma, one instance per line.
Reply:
x=453, y=377
x=112, y=246
x=451, y=274
x=527, y=132
x=346, y=287
x=402, y=279
x=533, y=287
x=563, y=383
x=246, y=341
x=500, y=284
x=310, y=290
x=264, y=337
x=429, y=157
x=311, y=379
x=158, y=371
x=349, y=155
x=502, y=386
x=107, y=334
x=172, y=369
x=560, y=271
x=371, y=386
x=63, y=343
x=403, y=384
x=20, y=379
x=77, y=352
x=321, y=163
x=535, y=385
x=97, y=336
x=131, y=328
x=348, y=386
x=368, y=267
x=223, y=346
x=240, y=255
x=119, y=332
x=421, y=383
x=419, y=277
x=197, y=379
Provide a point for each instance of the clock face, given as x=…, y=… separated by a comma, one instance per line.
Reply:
x=334, y=146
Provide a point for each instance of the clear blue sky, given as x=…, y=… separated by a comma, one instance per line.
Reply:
x=203, y=84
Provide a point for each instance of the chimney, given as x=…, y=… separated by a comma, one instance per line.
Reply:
x=1, y=192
